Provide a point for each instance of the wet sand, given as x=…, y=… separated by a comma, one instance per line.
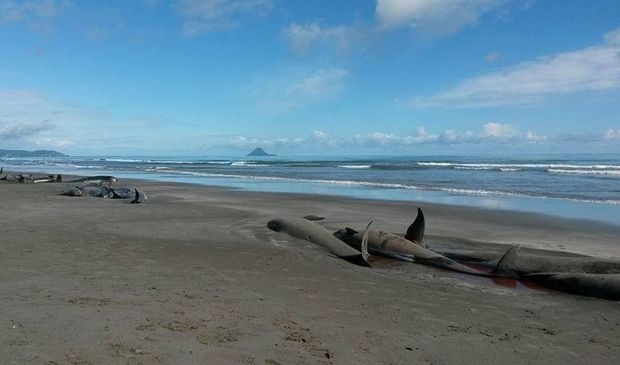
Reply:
x=193, y=276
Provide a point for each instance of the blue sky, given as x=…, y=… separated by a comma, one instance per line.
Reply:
x=192, y=77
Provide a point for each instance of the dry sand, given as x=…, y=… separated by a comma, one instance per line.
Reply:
x=193, y=276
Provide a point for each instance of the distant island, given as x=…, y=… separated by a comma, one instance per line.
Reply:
x=259, y=152
x=22, y=153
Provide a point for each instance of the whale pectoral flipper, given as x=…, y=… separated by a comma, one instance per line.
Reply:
x=351, y=231
x=364, y=247
x=136, y=198
x=415, y=232
x=361, y=259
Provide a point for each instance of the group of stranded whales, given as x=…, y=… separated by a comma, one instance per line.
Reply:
x=103, y=189
x=587, y=276
x=108, y=192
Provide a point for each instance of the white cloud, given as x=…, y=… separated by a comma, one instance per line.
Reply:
x=535, y=138
x=53, y=143
x=201, y=16
x=492, y=133
x=301, y=37
x=595, y=68
x=316, y=138
x=499, y=130
x=242, y=142
x=15, y=132
x=613, y=37
x=612, y=134
x=432, y=18
x=31, y=10
x=296, y=88
x=492, y=57
x=320, y=84
x=376, y=139
x=438, y=17
x=323, y=138
x=31, y=120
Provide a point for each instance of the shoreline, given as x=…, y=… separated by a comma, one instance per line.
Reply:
x=582, y=203
x=193, y=275
x=562, y=208
x=445, y=222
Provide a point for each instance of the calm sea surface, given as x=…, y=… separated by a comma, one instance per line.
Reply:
x=563, y=185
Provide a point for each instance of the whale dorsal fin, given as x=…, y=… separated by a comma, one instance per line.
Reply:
x=415, y=232
x=506, y=266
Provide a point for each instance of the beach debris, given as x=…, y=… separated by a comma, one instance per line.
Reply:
x=310, y=231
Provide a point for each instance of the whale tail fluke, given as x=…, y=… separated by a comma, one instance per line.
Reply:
x=415, y=232
x=506, y=265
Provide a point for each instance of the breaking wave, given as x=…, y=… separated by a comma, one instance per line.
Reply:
x=517, y=165
x=585, y=172
x=354, y=166
x=460, y=191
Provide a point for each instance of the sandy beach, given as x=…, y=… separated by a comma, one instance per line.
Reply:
x=193, y=276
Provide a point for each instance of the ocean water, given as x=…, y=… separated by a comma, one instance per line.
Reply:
x=562, y=185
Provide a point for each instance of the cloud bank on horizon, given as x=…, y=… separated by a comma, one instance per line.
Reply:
x=389, y=76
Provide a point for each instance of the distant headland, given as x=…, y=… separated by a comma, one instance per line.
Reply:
x=259, y=152
x=37, y=153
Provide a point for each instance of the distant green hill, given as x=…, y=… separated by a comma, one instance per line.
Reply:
x=38, y=153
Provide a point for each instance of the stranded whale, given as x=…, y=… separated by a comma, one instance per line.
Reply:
x=390, y=245
x=315, y=233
